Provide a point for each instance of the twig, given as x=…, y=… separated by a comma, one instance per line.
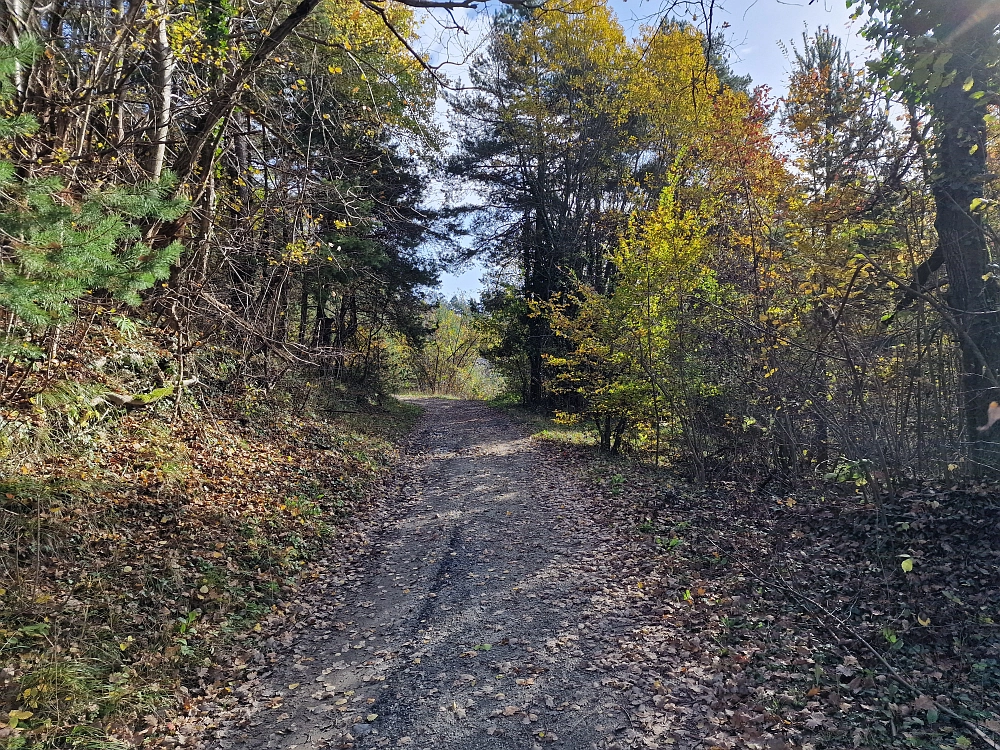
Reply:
x=629, y=717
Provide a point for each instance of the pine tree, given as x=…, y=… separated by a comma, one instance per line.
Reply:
x=57, y=245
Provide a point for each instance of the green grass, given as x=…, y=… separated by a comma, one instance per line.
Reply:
x=544, y=427
x=391, y=419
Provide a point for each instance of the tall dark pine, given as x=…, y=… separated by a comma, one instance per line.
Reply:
x=551, y=166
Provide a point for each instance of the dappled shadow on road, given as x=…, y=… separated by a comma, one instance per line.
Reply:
x=488, y=613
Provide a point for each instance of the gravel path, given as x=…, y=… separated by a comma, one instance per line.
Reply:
x=493, y=611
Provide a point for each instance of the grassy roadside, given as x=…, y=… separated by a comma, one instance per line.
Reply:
x=542, y=426
x=136, y=557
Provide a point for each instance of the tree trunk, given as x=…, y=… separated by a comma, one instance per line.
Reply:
x=972, y=292
x=165, y=83
x=536, y=383
x=223, y=97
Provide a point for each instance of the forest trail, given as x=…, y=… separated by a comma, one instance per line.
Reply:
x=490, y=613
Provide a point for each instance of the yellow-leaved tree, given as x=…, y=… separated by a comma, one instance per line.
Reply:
x=633, y=354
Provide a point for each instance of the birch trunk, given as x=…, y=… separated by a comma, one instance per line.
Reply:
x=165, y=75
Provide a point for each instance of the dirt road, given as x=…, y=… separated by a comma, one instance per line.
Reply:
x=493, y=611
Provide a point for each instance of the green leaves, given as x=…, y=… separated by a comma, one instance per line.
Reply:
x=62, y=248
x=923, y=42
x=15, y=718
x=848, y=470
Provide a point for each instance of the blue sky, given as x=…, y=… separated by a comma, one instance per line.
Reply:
x=757, y=28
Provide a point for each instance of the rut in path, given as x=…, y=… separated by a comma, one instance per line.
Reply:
x=492, y=612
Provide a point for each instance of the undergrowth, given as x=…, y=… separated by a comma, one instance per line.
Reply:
x=843, y=619
x=544, y=427
x=137, y=548
x=840, y=615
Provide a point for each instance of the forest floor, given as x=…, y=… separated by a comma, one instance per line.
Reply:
x=249, y=576
x=519, y=593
